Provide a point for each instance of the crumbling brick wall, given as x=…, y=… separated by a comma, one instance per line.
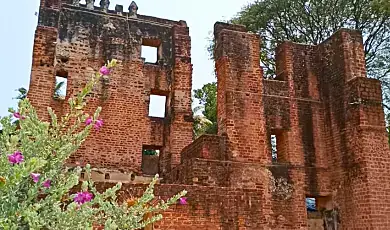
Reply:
x=327, y=117
x=324, y=112
x=74, y=40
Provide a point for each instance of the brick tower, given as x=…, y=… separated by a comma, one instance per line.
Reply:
x=73, y=40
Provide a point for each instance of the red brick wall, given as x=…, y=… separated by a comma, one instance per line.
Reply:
x=337, y=109
x=42, y=73
x=206, y=146
x=179, y=132
x=240, y=110
x=326, y=114
x=79, y=50
x=208, y=207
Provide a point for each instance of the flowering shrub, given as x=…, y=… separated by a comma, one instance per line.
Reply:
x=36, y=185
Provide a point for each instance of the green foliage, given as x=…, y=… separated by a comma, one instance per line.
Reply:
x=25, y=204
x=150, y=152
x=207, y=122
x=22, y=93
x=383, y=6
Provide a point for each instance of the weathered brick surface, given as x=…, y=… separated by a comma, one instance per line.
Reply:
x=207, y=147
x=326, y=115
x=337, y=111
x=209, y=207
x=76, y=41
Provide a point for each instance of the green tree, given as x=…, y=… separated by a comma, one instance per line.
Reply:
x=22, y=93
x=36, y=187
x=206, y=122
x=383, y=6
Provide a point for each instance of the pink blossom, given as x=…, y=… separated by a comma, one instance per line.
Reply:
x=35, y=177
x=15, y=158
x=18, y=116
x=98, y=124
x=88, y=121
x=183, y=201
x=47, y=183
x=83, y=197
x=104, y=70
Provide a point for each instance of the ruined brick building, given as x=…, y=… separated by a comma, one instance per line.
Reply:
x=325, y=113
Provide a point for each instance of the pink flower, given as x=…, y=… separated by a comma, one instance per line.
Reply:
x=98, y=124
x=18, y=116
x=35, y=177
x=88, y=121
x=15, y=158
x=47, y=183
x=104, y=70
x=83, y=197
x=183, y=201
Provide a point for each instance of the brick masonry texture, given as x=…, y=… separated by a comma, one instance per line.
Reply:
x=325, y=113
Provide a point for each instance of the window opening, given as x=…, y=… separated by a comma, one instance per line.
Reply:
x=157, y=106
x=60, y=87
x=150, y=50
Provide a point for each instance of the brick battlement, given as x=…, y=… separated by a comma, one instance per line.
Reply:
x=119, y=11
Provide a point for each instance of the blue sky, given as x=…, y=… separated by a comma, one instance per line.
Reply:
x=17, y=26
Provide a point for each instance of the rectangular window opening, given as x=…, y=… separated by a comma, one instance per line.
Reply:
x=150, y=50
x=157, y=105
x=60, y=87
x=278, y=140
x=150, y=160
x=274, y=148
x=321, y=213
x=311, y=204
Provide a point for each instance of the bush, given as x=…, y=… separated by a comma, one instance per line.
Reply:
x=36, y=185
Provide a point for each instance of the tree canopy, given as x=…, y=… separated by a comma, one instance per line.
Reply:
x=383, y=6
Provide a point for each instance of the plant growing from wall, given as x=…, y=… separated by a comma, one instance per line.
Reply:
x=37, y=190
x=280, y=187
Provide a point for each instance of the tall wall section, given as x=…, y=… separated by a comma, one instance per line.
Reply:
x=329, y=126
x=340, y=124
x=73, y=40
